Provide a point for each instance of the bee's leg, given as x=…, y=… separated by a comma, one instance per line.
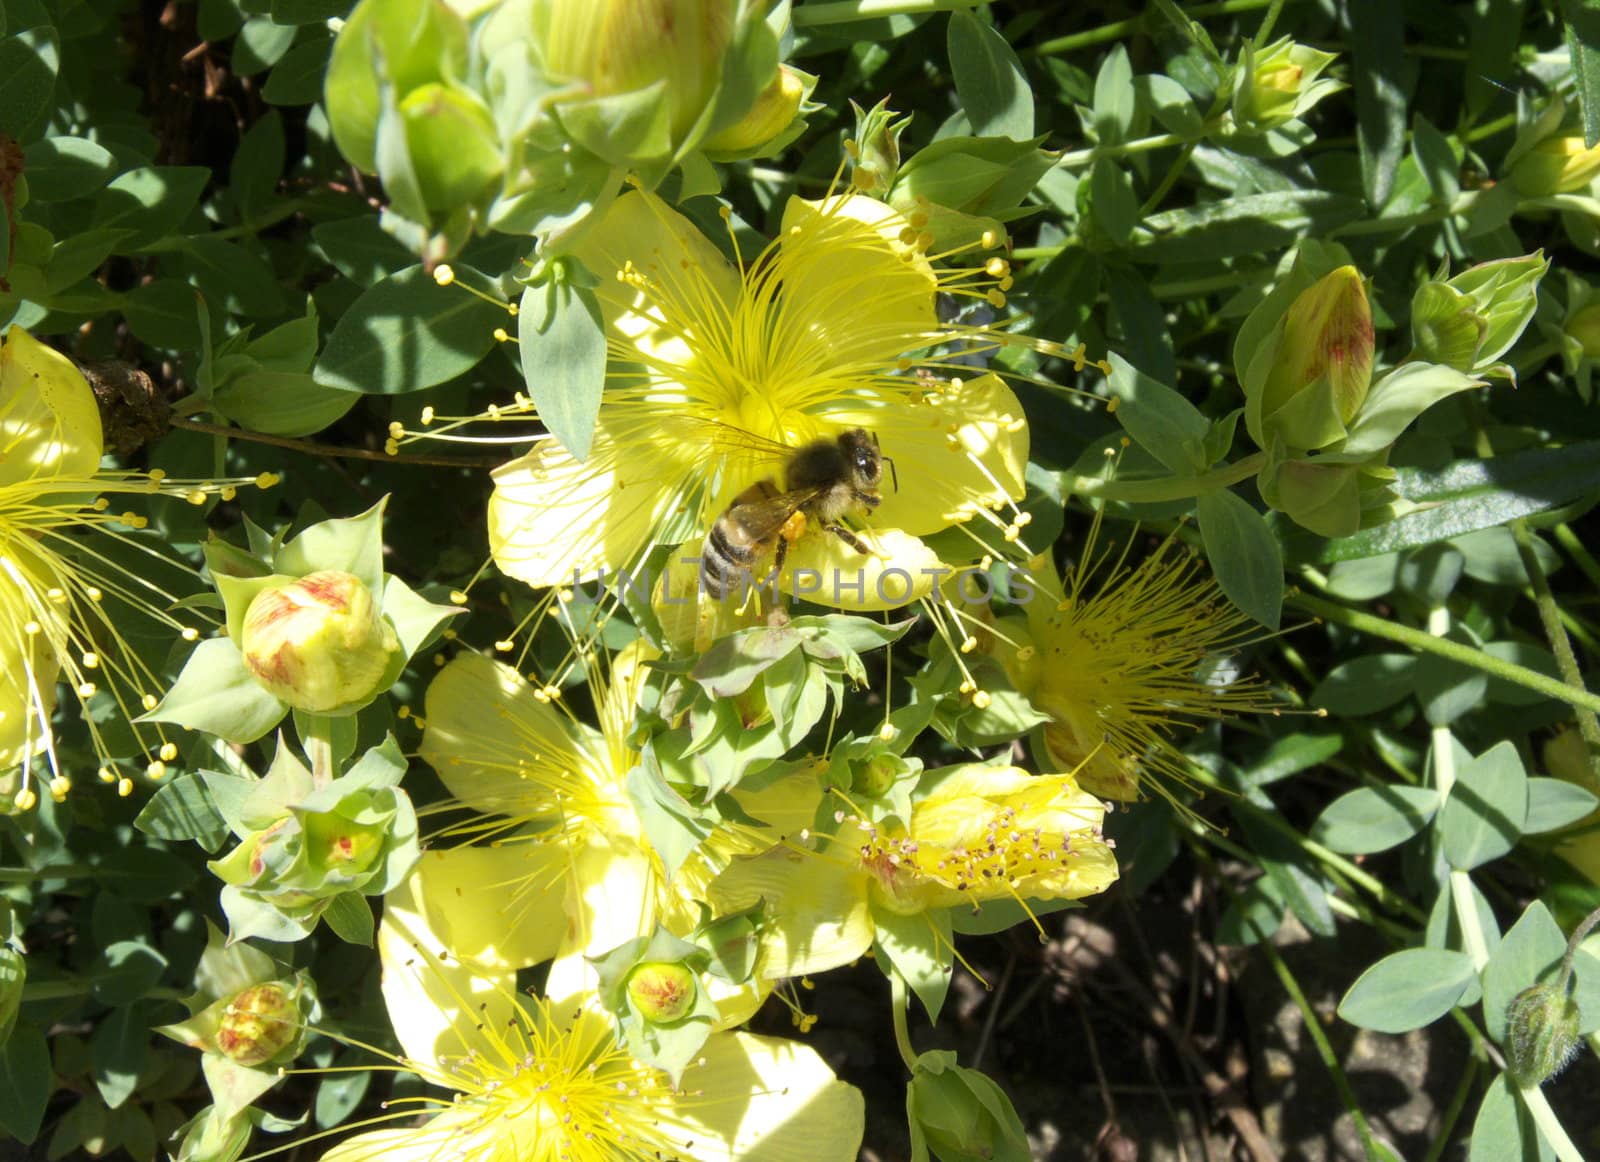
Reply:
x=849, y=538
x=780, y=553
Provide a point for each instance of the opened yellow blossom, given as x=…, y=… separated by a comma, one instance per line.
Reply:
x=1121, y=666
x=547, y=1080
x=54, y=579
x=561, y=859
x=718, y=371
x=976, y=834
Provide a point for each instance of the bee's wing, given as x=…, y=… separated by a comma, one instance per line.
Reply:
x=730, y=438
x=761, y=519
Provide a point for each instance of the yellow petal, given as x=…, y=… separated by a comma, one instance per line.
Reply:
x=438, y=1006
x=553, y=519
x=614, y=895
x=500, y=907
x=28, y=667
x=643, y=231
x=817, y=907
x=49, y=422
x=901, y=569
x=768, y=1100
x=497, y=747
x=959, y=449
x=843, y=258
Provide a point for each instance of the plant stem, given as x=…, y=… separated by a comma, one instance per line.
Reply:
x=1166, y=488
x=1330, y=1060
x=1137, y=145
x=316, y=735
x=60, y=871
x=1120, y=28
x=1555, y=634
x=1399, y=222
x=1550, y=1127
x=900, y=1001
x=1428, y=643
x=845, y=11
x=1581, y=557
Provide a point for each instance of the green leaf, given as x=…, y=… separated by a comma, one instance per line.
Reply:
x=1141, y=319
x=1377, y=64
x=261, y=43
x=1232, y=227
x=350, y=917
x=1397, y=399
x=60, y=169
x=1503, y=1129
x=164, y=313
x=994, y=90
x=1243, y=554
x=1554, y=804
x=281, y=403
x=28, y=64
x=919, y=949
x=1115, y=206
x=216, y=694
x=407, y=333
x=232, y=278
x=126, y=971
x=360, y=249
x=146, y=874
x=1581, y=19
x=257, y=165
x=1116, y=100
x=1408, y=989
x=1448, y=689
x=1162, y=421
x=1484, y=815
x=1531, y=949
x=25, y=1082
x=1466, y=496
x=182, y=809
x=118, y=1051
x=308, y=11
x=297, y=79
x=1365, y=685
x=563, y=348
x=151, y=202
x=1437, y=160
x=1371, y=819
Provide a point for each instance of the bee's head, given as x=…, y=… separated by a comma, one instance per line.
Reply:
x=865, y=458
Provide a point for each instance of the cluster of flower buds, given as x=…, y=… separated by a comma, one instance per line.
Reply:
x=524, y=115
x=303, y=846
x=1306, y=357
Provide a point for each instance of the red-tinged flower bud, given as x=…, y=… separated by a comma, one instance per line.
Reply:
x=260, y=1023
x=661, y=993
x=1327, y=337
x=1541, y=1033
x=320, y=643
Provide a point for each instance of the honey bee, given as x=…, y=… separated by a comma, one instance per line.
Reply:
x=823, y=481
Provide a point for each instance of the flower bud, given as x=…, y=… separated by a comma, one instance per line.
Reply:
x=319, y=643
x=1278, y=83
x=1321, y=366
x=1584, y=326
x=1474, y=318
x=258, y=1024
x=454, y=148
x=875, y=148
x=1541, y=1033
x=623, y=46
x=1556, y=165
x=662, y=993
x=773, y=112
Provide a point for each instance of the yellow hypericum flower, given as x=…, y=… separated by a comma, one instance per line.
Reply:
x=565, y=862
x=976, y=834
x=1120, y=666
x=54, y=579
x=547, y=1080
x=718, y=371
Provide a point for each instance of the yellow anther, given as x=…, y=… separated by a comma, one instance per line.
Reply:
x=229, y=492
x=124, y=787
x=457, y=597
x=267, y=479
x=444, y=274
x=148, y=701
x=91, y=660
x=156, y=769
x=396, y=429
x=189, y=634
x=25, y=799
x=59, y=786
x=505, y=645
x=107, y=775
x=86, y=689
x=886, y=732
x=195, y=496
x=427, y=415
x=168, y=751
